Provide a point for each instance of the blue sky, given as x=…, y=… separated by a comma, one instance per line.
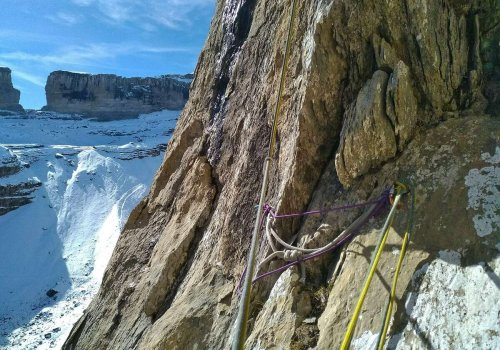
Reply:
x=124, y=37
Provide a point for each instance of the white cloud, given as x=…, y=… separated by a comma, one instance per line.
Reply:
x=88, y=55
x=34, y=79
x=19, y=35
x=168, y=13
x=82, y=2
x=148, y=27
x=65, y=18
x=19, y=73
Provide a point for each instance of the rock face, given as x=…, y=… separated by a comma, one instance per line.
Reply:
x=13, y=194
x=107, y=96
x=376, y=91
x=9, y=96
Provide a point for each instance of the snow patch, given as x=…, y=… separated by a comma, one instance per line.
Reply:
x=5, y=154
x=484, y=195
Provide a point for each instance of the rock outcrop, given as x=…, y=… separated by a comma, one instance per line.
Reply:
x=13, y=194
x=9, y=96
x=376, y=91
x=107, y=96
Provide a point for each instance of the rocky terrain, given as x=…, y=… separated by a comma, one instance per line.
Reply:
x=67, y=185
x=18, y=193
x=107, y=96
x=376, y=91
x=9, y=96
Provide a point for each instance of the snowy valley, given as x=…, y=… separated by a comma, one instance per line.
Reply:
x=67, y=186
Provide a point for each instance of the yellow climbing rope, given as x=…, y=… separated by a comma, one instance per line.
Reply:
x=243, y=311
x=272, y=140
x=400, y=190
x=392, y=295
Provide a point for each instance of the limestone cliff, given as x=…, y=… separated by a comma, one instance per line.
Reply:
x=107, y=96
x=9, y=96
x=376, y=91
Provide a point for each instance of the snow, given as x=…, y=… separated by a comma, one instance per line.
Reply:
x=5, y=154
x=93, y=174
x=183, y=78
x=455, y=307
x=8, y=160
x=78, y=72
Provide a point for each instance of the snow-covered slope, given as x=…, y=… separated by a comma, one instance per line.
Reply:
x=90, y=175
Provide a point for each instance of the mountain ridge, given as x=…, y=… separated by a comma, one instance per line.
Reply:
x=109, y=96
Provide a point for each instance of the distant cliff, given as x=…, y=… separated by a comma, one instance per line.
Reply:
x=107, y=96
x=9, y=97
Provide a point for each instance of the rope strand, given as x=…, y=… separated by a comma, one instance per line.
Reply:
x=321, y=211
x=344, y=237
x=373, y=267
x=392, y=295
x=243, y=311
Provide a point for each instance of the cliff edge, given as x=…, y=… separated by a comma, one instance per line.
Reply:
x=9, y=96
x=376, y=91
x=108, y=96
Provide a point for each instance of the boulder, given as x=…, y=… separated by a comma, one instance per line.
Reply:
x=9, y=162
x=51, y=293
x=367, y=138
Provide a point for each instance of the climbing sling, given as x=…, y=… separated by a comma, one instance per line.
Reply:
x=296, y=255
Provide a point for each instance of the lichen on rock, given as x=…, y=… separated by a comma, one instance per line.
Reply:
x=484, y=195
x=463, y=296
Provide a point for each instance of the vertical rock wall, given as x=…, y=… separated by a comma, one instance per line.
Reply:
x=9, y=96
x=107, y=96
x=376, y=91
